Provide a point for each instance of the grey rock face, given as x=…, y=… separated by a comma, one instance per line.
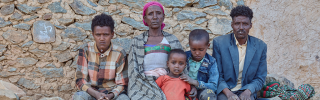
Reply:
x=65, y=87
x=12, y=69
x=131, y=3
x=92, y=4
x=38, y=53
x=6, y=10
x=125, y=43
x=2, y=58
x=4, y=23
x=64, y=56
x=6, y=1
x=27, y=9
x=47, y=16
x=134, y=23
x=43, y=1
x=26, y=62
x=16, y=16
x=65, y=21
x=206, y=3
x=200, y=21
x=215, y=7
x=174, y=3
x=226, y=3
x=85, y=26
x=219, y=26
x=74, y=33
x=3, y=48
x=28, y=44
x=27, y=83
x=51, y=72
x=55, y=7
x=30, y=18
x=79, y=8
x=190, y=27
x=176, y=10
x=14, y=37
x=103, y=3
x=43, y=32
x=60, y=27
x=215, y=12
x=63, y=46
x=189, y=15
x=22, y=26
x=240, y=2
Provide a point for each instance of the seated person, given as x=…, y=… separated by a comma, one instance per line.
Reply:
x=172, y=86
x=100, y=66
x=203, y=71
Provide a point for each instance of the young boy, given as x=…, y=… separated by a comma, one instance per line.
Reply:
x=203, y=71
x=100, y=70
x=172, y=86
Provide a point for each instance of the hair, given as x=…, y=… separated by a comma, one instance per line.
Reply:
x=179, y=51
x=102, y=20
x=199, y=34
x=242, y=11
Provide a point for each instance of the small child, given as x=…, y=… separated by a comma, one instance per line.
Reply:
x=172, y=86
x=202, y=68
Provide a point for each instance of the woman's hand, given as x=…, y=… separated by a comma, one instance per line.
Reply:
x=189, y=80
x=109, y=96
x=101, y=96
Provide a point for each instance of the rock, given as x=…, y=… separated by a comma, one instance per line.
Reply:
x=45, y=47
x=176, y=10
x=63, y=56
x=125, y=43
x=51, y=72
x=190, y=27
x=65, y=21
x=103, y=3
x=92, y=4
x=219, y=26
x=26, y=62
x=60, y=27
x=16, y=16
x=85, y=26
x=12, y=69
x=66, y=87
x=63, y=46
x=200, y=21
x=52, y=98
x=226, y=3
x=43, y=32
x=215, y=12
x=55, y=7
x=123, y=29
x=282, y=80
x=14, y=37
x=240, y=2
x=8, y=86
x=131, y=3
x=206, y=3
x=2, y=58
x=3, y=48
x=27, y=9
x=215, y=7
x=28, y=44
x=174, y=3
x=50, y=66
x=135, y=24
x=79, y=8
x=26, y=98
x=6, y=10
x=27, y=83
x=113, y=13
x=190, y=15
x=168, y=13
x=44, y=1
x=47, y=16
x=7, y=95
x=6, y=74
x=38, y=53
x=23, y=26
x=74, y=33
x=4, y=23
x=31, y=18
x=14, y=79
x=6, y=1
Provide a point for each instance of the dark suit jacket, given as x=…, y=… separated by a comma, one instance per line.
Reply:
x=255, y=66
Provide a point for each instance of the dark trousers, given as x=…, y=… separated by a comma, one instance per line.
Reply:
x=222, y=96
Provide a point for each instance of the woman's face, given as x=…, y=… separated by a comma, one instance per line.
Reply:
x=154, y=17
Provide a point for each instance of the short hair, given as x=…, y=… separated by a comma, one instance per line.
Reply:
x=199, y=34
x=241, y=11
x=102, y=20
x=179, y=51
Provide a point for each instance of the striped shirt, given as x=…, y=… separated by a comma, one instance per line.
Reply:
x=102, y=72
x=140, y=86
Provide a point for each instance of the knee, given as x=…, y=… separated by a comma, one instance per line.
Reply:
x=207, y=94
x=122, y=97
x=81, y=95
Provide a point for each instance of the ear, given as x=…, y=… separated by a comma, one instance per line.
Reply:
x=209, y=44
x=112, y=34
x=167, y=62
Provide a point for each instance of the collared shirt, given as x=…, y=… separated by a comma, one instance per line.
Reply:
x=194, y=68
x=242, y=55
x=101, y=71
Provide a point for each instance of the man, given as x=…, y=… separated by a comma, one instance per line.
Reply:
x=241, y=59
x=100, y=73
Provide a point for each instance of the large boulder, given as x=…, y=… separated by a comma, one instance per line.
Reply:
x=8, y=86
x=7, y=95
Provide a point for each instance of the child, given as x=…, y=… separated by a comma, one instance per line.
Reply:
x=172, y=86
x=203, y=71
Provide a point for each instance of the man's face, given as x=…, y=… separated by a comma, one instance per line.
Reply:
x=154, y=17
x=198, y=49
x=102, y=37
x=241, y=26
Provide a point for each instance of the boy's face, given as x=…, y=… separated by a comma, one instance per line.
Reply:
x=176, y=63
x=198, y=49
x=102, y=37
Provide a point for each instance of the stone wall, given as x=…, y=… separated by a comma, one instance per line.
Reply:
x=40, y=38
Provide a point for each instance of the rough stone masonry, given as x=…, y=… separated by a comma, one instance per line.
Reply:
x=40, y=38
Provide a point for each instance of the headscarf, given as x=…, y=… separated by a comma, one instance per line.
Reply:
x=152, y=3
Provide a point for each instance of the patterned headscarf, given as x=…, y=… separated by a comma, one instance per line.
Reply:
x=152, y=3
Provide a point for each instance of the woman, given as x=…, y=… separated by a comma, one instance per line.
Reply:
x=148, y=55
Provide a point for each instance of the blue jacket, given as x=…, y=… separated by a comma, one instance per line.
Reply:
x=255, y=65
x=208, y=74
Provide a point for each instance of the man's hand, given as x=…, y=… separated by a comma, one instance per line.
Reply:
x=230, y=95
x=193, y=92
x=189, y=80
x=245, y=95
